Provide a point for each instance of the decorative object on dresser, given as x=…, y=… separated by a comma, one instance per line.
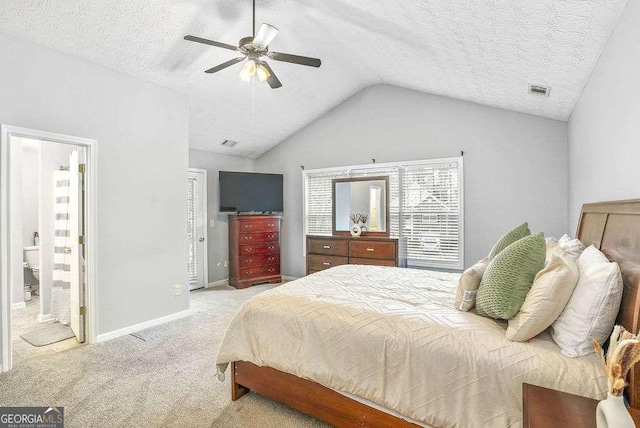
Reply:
x=324, y=252
x=254, y=249
x=622, y=355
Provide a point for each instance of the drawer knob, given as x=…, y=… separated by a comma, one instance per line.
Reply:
x=370, y=249
x=326, y=264
x=270, y=225
x=327, y=246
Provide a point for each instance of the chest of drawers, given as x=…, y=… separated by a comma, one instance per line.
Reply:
x=324, y=252
x=254, y=250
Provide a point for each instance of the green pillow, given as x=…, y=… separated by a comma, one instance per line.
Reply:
x=509, y=238
x=509, y=277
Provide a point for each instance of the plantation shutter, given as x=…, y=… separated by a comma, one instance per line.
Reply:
x=192, y=204
x=318, y=201
x=431, y=215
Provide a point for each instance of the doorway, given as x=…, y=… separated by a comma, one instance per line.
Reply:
x=48, y=243
x=197, y=228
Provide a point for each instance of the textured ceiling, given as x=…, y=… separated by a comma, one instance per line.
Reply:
x=484, y=51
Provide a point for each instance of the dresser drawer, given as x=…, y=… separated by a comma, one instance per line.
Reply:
x=321, y=262
x=384, y=250
x=268, y=248
x=259, y=260
x=331, y=247
x=258, y=238
x=375, y=262
x=261, y=225
x=258, y=272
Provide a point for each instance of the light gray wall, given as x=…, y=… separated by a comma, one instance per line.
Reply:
x=604, y=131
x=30, y=178
x=514, y=164
x=142, y=134
x=218, y=236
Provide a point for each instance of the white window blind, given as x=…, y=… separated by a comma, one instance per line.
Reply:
x=425, y=207
x=192, y=204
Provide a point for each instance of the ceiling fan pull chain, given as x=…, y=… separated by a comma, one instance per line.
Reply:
x=254, y=19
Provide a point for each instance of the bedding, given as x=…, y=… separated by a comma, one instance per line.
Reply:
x=468, y=285
x=392, y=336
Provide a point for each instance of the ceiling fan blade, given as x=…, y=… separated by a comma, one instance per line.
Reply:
x=295, y=59
x=265, y=35
x=272, y=80
x=210, y=43
x=224, y=65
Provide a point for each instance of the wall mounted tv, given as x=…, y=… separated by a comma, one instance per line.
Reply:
x=250, y=192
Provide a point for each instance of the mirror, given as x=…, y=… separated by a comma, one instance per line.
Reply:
x=361, y=201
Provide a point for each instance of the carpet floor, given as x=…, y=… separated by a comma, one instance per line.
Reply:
x=160, y=377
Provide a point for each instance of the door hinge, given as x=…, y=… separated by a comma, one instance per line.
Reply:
x=81, y=240
x=83, y=310
x=81, y=168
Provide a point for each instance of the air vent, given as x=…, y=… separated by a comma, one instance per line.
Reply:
x=539, y=90
x=228, y=143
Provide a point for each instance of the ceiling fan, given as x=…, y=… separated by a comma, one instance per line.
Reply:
x=253, y=49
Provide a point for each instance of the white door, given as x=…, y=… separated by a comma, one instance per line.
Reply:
x=76, y=228
x=196, y=227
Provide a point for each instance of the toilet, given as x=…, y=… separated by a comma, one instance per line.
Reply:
x=32, y=260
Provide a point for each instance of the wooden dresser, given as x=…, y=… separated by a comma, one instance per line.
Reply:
x=324, y=252
x=254, y=250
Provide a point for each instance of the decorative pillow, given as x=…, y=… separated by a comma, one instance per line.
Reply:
x=551, y=290
x=509, y=277
x=593, y=307
x=552, y=248
x=468, y=285
x=509, y=238
x=571, y=247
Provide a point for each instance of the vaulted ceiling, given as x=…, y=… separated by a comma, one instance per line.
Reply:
x=483, y=51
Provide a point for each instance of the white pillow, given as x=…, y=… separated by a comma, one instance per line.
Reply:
x=572, y=248
x=593, y=306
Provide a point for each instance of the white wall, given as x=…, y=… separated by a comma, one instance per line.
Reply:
x=515, y=164
x=218, y=236
x=604, y=136
x=30, y=178
x=142, y=134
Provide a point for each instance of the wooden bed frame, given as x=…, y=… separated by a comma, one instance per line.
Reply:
x=613, y=227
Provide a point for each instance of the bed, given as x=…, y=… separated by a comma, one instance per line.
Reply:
x=379, y=346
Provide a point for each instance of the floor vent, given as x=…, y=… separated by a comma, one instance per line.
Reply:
x=228, y=143
x=539, y=90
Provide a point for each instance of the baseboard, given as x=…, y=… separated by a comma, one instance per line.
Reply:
x=45, y=317
x=18, y=305
x=217, y=283
x=289, y=278
x=142, y=326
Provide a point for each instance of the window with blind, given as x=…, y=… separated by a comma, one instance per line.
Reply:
x=425, y=205
x=192, y=203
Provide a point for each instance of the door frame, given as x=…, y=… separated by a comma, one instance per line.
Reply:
x=205, y=200
x=91, y=232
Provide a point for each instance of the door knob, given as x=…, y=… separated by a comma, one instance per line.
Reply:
x=201, y=239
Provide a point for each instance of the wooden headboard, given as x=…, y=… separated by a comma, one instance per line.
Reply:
x=614, y=228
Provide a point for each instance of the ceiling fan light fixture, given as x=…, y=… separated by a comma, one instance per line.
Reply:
x=265, y=35
x=248, y=70
x=262, y=72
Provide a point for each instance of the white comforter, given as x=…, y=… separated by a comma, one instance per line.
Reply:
x=392, y=336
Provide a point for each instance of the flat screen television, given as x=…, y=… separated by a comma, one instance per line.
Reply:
x=250, y=192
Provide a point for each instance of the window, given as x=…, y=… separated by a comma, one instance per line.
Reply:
x=425, y=205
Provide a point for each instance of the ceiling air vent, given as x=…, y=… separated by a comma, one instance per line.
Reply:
x=228, y=143
x=539, y=90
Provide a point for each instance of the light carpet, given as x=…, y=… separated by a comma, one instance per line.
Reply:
x=160, y=377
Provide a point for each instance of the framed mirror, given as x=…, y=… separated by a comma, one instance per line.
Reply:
x=361, y=201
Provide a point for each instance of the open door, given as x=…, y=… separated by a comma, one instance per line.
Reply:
x=196, y=228
x=77, y=235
